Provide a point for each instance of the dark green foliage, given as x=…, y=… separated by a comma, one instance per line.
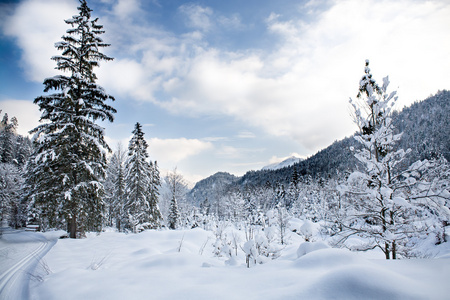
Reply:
x=64, y=179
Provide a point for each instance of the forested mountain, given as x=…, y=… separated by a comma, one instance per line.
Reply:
x=211, y=188
x=425, y=126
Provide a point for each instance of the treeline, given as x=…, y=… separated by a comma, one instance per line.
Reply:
x=388, y=187
x=14, y=153
x=425, y=128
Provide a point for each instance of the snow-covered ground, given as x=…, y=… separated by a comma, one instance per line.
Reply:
x=180, y=264
x=20, y=253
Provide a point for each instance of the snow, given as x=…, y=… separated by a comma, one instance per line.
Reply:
x=20, y=252
x=306, y=248
x=166, y=264
x=285, y=163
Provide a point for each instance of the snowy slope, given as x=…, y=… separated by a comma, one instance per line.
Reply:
x=153, y=265
x=285, y=163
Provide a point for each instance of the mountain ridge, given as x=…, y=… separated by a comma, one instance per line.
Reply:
x=425, y=125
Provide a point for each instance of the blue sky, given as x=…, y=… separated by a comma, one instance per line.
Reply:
x=232, y=85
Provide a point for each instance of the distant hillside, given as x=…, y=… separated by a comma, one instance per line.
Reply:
x=426, y=131
x=210, y=187
x=426, y=127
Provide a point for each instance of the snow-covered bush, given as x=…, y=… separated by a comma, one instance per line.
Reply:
x=306, y=248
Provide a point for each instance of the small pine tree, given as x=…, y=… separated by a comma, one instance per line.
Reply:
x=156, y=216
x=174, y=215
x=390, y=208
x=140, y=185
x=177, y=188
x=115, y=188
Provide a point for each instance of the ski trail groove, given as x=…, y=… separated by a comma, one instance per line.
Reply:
x=14, y=282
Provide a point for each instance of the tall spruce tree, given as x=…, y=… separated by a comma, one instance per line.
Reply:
x=141, y=185
x=70, y=151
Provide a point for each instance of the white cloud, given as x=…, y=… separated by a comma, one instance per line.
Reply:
x=301, y=89
x=245, y=134
x=37, y=25
x=172, y=151
x=25, y=111
x=231, y=152
x=197, y=16
x=124, y=9
x=127, y=77
x=232, y=22
x=169, y=151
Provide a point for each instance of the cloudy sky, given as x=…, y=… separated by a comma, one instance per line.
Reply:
x=232, y=85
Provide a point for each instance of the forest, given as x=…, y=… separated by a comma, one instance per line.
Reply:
x=388, y=184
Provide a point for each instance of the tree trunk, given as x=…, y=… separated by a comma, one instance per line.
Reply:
x=386, y=250
x=72, y=227
x=394, y=250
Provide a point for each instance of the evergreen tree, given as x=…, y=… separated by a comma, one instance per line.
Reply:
x=389, y=206
x=155, y=212
x=177, y=193
x=141, y=194
x=12, y=210
x=115, y=188
x=23, y=150
x=70, y=158
x=174, y=215
x=7, y=138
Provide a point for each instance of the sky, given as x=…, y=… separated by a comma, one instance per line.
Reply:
x=231, y=85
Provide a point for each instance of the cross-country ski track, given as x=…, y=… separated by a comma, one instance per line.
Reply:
x=19, y=257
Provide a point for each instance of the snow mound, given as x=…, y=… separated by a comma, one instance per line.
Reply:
x=307, y=247
x=181, y=264
x=362, y=282
x=309, y=229
x=328, y=258
x=165, y=261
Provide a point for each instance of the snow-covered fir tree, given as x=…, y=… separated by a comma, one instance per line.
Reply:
x=388, y=206
x=177, y=191
x=12, y=208
x=115, y=189
x=70, y=158
x=154, y=194
x=173, y=218
x=7, y=138
x=141, y=186
x=176, y=210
